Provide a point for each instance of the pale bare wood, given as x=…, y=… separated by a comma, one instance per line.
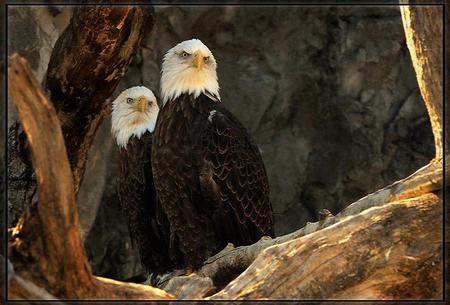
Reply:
x=392, y=251
x=57, y=214
x=190, y=287
x=21, y=289
x=425, y=180
x=108, y=289
x=423, y=27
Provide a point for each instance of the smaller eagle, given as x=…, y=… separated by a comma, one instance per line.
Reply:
x=133, y=120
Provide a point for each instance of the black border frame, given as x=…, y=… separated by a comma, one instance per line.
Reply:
x=4, y=94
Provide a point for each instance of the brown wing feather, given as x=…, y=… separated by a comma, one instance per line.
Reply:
x=210, y=180
x=148, y=226
x=175, y=171
x=234, y=177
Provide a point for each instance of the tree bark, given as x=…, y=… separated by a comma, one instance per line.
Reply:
x=388, y=252
x=81, y=79
x=230, y=262
x=55, y=186
x=423, y=27
x=86, y=65
x=46, y=248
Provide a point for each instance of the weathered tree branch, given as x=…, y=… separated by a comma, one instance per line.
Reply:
x=86, y=65
x=424, y=35
x=56, y=215
x=427, y=179
x=388, y=252
x=230, y=262
x=46, y=247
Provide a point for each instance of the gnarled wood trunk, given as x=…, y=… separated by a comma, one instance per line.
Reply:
x=86, y=65
x=389, y=252
x=424, y=35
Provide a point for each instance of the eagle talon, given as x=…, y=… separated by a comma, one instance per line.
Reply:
x=161, y=280
x=324, y=214
x=265, y=237
x=228, y=247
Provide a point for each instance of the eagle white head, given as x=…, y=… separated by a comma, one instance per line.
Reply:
x=134, y=112
x=189, y=67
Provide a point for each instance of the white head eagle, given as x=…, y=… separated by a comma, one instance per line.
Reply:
x=134, y=112
x=133, y=122
x=189, y=67
x=207, y=170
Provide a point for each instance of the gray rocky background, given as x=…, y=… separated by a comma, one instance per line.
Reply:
x=329, y=94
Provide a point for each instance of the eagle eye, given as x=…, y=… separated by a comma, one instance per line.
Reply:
x=184, y=54
x=150, y=103
x=206, y=59
x=129, y=100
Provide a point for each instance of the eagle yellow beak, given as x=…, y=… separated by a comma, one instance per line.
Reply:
x=142, y=104
x=198, y=60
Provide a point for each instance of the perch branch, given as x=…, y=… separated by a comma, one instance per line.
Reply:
x=425, y=180
x=57, y=214
x=45, y=247
x=424, y=31
x=392, y=251
x=230, y=262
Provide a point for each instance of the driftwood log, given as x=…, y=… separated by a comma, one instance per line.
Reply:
x=388, y=245
x=424, y=36
x=389, y=252
x=427, y=179
x=87, y=63
x=232, y=261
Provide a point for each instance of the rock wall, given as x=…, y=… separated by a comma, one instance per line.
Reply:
x=329, y=94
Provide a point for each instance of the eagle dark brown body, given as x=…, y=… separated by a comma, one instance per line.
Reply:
x=210, y=179
x=149, y=228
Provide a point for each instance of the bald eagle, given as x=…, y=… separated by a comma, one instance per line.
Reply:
x=208, y=172
x=133, y=120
